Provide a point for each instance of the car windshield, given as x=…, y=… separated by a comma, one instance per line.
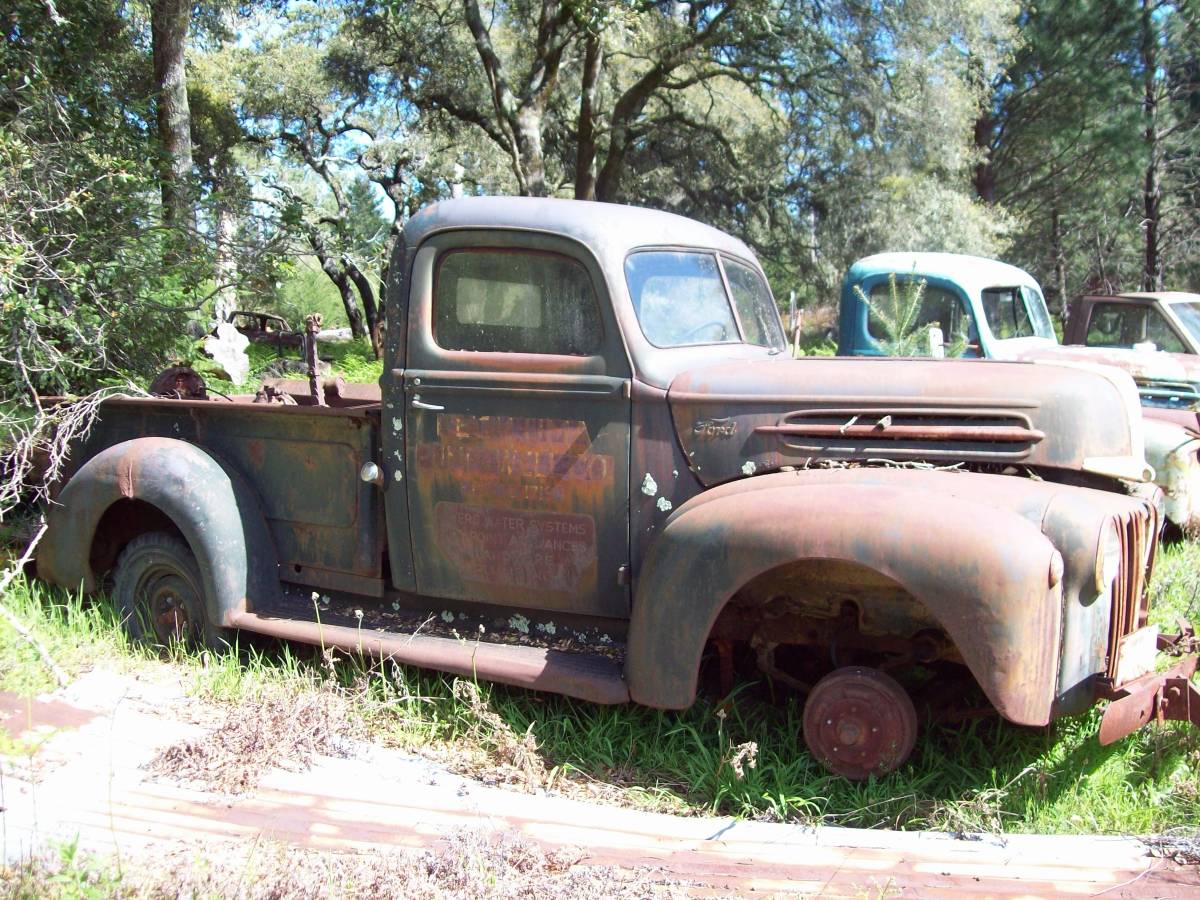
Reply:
x=1189, y=315
x=681, y=300
x=1014, y=312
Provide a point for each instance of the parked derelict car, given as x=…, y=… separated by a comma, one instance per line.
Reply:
x=982, y=308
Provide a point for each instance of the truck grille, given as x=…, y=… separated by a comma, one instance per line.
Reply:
x=1131, y=588
x=1169, y=394
x=907, y=432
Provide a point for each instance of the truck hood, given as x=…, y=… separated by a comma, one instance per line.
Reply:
x=739, y=418
x=1156, y=373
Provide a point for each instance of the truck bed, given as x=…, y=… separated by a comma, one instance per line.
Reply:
x=327, y=525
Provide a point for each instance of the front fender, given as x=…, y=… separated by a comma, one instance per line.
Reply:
x=984, y=573
x=212, y=505
x=1174, y=453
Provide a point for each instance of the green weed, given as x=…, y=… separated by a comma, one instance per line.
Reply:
x=983, y=774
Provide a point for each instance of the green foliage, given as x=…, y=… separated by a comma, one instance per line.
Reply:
x=83, y=287
x=305, y=289
x=354, y=361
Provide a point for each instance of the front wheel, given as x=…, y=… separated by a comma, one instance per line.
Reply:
x=160, y=593
x=859, y=722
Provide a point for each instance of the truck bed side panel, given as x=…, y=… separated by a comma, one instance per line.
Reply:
x=326, y=524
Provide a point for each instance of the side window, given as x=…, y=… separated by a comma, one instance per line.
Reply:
x=755, y=309
x=1160, y=333
x=514, y=301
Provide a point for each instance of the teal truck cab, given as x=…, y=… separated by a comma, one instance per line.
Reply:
x=590, y=461
x=973, y=307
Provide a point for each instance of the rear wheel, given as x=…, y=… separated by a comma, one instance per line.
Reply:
x=859, y=722
x=160, y=593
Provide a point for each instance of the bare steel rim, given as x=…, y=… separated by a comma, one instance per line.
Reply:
x=165, y=599
x=859, y=722
x=160, y=591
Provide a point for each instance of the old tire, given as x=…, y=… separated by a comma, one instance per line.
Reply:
x=160, y=593
x=859, y=722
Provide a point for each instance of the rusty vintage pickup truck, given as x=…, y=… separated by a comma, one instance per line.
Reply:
x=590, y=461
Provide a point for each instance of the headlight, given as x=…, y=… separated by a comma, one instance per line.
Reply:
x=1108, y=561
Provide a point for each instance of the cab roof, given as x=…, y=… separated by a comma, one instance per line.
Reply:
x=608, y=228
x=974, y=273
x=1163, y=296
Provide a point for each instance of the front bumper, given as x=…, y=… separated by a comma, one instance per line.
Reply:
x=1168, y=695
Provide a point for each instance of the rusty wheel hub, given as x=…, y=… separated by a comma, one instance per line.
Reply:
x=165, y=597
x=859, y=722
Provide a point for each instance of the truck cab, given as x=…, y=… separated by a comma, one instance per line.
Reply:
x=590, y=462
x=1161, y=321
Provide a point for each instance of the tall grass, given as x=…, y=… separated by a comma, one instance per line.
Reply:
x=980, y=775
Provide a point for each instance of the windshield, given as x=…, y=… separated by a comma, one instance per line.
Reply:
x=680, y=300
x=1014, y=312
x=1189, y=315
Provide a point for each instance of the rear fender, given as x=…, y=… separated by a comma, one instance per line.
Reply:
x=983, y=573
x=212, y=505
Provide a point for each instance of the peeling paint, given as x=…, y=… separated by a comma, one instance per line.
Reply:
x=398, y=475
x=397, y=423
x=649, y=485
x=664, y=504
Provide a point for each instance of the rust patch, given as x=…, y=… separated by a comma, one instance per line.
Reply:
x=257, y=453
x=125, y=478
x=20, y=715
x=497, y=461
x=545, y=551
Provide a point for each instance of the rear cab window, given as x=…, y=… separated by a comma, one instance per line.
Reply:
x=1128, y=325
x=515, y=301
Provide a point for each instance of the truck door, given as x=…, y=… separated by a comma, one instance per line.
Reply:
x=517, y=425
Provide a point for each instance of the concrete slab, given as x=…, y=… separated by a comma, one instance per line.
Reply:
x=87, y=781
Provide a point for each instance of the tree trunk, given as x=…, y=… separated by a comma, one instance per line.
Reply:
x=353, y=314
x=984, y=176
x=225, y=267
x=341, y=281
x=367, y=295
x=1060, y=269
x=529, y=146
x=168, y=38
x=1152, y=274
x=585, y=158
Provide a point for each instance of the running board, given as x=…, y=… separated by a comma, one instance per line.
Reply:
x=587, y=676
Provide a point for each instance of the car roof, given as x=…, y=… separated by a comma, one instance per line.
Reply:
x=974, y=273
x=608, y=228
x=1164, y=296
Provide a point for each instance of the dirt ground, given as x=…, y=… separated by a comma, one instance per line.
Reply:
x=284, y=801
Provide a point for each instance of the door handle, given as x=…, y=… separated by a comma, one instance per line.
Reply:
x=418, y=403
